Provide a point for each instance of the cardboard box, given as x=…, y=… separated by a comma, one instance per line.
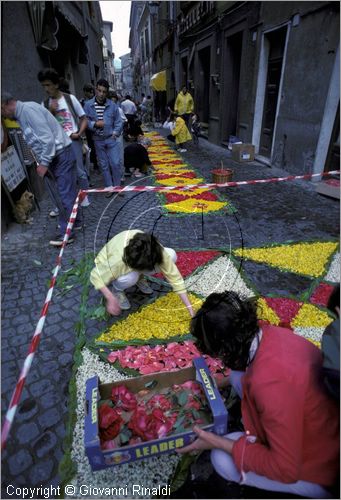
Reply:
x=243, y=152
x=331, y=188
x=100, y=459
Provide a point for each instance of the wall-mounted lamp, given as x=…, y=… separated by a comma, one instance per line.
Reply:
x=154, y=9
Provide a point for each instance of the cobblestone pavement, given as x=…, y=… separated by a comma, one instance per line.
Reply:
x=266, y=213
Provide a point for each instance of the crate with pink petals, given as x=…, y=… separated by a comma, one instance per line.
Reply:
x=148, y=414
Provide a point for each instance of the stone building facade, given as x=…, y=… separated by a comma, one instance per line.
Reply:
x=63, y=35
x=266, y=72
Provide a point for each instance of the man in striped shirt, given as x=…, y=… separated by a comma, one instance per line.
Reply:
x=106, y=125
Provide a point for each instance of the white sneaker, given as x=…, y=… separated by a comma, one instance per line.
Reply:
x=54, y=212
x=143, y=286
x=85, y=202
x=182, y=150
x=123, y=300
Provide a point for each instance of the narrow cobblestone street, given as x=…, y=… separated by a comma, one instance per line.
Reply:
x=265, y=214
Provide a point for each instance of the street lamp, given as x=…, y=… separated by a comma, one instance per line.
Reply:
x=154, y=9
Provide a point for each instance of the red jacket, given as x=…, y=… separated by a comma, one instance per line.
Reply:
x=287, y=408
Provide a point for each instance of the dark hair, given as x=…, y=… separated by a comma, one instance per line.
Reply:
x=103, y=83
x=88, y=87
x=143, y=252
x=48, y=74
x=225, y=326
x=64, y=85
x=127, y=96
x=6, y=97
x=112, y=94
x=334, y=299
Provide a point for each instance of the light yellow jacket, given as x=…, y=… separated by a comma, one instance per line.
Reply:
x=109, y=264
x=184, y=103
x=180, y=131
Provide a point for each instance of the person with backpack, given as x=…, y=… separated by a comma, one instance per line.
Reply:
x=69, y=113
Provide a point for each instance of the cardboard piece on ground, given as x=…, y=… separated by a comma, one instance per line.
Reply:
x=100, y=459
x=329, y=188
x=243, y=152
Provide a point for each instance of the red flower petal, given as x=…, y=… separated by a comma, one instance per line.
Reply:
x=286, y=309
x=321, y=294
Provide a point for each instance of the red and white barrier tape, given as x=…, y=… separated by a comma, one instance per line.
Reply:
x=210, y=185
x=13, y=405
x=9, y=417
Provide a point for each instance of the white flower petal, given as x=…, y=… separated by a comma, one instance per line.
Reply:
x=217, y=277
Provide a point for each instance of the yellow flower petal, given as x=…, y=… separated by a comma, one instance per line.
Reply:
x=181, y=181
x=164, y=318
x=265, y=313
x=304, y=258
x=310, y=315
x=193, y=206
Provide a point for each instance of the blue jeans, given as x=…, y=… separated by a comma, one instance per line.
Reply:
x=108, y=154
x=63, y=167
x=82, y=176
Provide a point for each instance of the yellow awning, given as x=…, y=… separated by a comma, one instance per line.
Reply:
x=159, y=81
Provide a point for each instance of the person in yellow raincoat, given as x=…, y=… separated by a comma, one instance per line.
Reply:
x=180, y=132
x=184, y=104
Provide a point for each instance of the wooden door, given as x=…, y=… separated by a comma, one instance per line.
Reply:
x=277, y=43
x=333, y=157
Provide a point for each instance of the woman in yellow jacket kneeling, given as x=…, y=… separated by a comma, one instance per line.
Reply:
x=180, y=132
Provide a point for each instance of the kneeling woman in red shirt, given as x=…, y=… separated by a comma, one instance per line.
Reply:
x=291, y=438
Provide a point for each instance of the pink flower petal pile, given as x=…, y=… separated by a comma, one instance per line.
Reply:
x=161, y=358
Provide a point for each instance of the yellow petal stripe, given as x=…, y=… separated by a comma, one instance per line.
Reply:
x=164, y=318
x=194, y=206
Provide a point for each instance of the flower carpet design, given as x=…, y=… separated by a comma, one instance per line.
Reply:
x=170, y=170
x=157, y=337
x=165, y=318
x=304, y=319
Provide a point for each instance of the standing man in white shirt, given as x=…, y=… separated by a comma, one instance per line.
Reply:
x=129, y=109
x=69, y=113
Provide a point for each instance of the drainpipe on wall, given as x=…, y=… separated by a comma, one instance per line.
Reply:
x=176, y=46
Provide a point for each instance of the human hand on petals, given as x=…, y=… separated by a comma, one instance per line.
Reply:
x=113, y=307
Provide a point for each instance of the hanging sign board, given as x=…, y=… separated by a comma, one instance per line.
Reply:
x=12, y=171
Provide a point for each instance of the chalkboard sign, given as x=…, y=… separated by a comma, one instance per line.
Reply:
x=12, y=171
